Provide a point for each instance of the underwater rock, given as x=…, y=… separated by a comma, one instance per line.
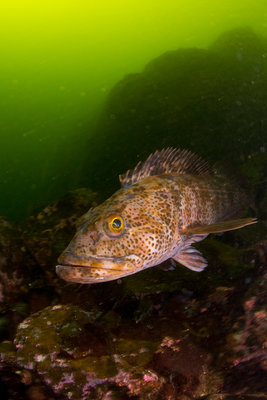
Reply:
x=17, y=270
x=78, y=356
x=167, y=344
x=15, y=263
x=48, y=233
x=28, y=254
x=247, y=343
x=63, y=346
x=211, y=101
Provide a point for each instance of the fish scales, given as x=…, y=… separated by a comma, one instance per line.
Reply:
x=166, y=204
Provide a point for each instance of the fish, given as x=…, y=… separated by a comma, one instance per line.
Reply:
x=165, y=204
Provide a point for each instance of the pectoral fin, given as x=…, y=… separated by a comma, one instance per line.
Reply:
x=191, y=258
x=218, y=226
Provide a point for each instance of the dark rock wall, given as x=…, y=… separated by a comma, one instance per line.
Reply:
x=213, y=102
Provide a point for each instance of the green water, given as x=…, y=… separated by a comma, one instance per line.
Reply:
x=59, y=59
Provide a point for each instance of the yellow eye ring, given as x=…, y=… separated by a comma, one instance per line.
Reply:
x=115, y=224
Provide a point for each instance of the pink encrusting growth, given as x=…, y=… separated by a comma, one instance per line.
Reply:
x=165, y=205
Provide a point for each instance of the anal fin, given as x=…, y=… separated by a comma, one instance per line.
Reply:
x=191, y=258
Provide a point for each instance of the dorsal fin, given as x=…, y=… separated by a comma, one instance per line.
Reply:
x=167, y=161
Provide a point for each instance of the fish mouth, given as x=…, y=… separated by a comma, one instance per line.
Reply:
x=96, y=269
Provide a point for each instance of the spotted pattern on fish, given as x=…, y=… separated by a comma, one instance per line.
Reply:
x=166, y=204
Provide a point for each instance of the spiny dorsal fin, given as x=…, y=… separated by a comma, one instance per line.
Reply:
x=167, y=161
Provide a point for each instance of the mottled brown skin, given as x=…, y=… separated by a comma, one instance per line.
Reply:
x=155, y=211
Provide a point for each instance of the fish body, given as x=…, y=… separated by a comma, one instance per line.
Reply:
x=166, y=204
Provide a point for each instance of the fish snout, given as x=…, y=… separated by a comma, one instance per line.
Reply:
x=94, y=237
x=87, y=236
x=82, y=244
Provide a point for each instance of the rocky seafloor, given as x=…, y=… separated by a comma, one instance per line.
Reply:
x=166, y=333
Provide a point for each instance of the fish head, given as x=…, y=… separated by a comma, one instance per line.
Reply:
x=118, y=238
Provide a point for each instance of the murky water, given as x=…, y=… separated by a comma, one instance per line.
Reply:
x=60, y=59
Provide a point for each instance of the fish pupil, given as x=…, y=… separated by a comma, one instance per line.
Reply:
x=116, y=223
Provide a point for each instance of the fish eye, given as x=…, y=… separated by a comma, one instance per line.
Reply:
x=115, y=224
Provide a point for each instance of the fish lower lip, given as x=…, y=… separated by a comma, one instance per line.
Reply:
x=78, y=274
x=96, y=269
x=84, y=266
x=90, y=274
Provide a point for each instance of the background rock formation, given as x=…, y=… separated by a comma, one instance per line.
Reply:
x=213, y=102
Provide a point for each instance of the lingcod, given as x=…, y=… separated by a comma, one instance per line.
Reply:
x=165, y=205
